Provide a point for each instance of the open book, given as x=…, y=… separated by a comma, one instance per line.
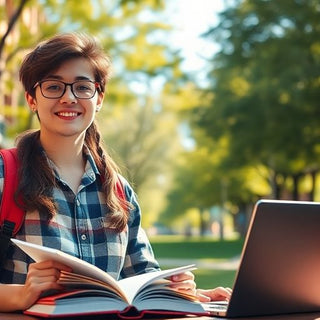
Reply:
x=90, y=290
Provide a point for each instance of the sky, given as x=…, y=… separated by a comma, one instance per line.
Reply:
x=191, y=18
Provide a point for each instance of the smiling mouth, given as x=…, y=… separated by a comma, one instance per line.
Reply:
x=68, y=114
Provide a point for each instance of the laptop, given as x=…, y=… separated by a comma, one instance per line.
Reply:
x=279, y=271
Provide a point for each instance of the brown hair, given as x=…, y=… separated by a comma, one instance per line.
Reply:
x=36, y=178
x=50, y=54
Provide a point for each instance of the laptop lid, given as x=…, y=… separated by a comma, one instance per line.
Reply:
x=279, y=270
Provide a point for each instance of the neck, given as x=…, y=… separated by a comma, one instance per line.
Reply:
x=64, y=151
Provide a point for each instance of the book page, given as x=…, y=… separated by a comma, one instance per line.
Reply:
x=73, y=281
x=40, y=253
x=132, y=285
x=127, y=288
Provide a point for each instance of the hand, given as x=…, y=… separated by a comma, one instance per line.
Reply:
x=41, y=277
x=217, y=294
x=184, y=282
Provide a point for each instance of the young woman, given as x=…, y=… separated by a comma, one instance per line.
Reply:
x=68, y=184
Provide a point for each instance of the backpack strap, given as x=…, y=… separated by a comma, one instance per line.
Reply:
x=120, y=190
x=11, y=216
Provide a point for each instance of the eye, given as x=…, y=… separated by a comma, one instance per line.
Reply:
x=83, y=86
x=52, y=86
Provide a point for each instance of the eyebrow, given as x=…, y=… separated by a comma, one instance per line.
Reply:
x=56, y=77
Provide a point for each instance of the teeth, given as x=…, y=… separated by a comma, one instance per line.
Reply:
x=68, y=114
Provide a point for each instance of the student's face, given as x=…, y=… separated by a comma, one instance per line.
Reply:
x=68, y=115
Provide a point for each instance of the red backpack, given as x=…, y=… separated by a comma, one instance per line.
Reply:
x=11, y=216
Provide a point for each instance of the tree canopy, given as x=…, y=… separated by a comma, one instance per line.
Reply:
x=136, y=125
x=266, y=86
x=254, y=130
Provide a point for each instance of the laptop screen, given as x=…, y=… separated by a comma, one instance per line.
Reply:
x=279, y=270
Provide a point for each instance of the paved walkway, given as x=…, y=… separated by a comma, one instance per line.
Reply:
x=231, y=264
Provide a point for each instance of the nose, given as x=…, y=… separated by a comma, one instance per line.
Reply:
x=68, y=96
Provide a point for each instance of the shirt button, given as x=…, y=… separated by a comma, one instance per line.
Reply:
x=83, y=237
x=78, y=203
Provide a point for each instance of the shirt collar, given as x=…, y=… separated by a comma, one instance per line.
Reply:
x=90, y=164
x=91, y=168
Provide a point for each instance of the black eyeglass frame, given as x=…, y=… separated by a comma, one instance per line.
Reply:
x=96, y=85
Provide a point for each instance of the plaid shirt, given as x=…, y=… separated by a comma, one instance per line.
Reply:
x=80, y=229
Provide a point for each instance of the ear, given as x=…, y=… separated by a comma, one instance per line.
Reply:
x=32, y=102
x=99, y=101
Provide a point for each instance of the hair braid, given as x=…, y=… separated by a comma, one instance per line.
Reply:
x=109, y=172
x=34, y=167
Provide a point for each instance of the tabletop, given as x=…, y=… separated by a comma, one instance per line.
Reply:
x=300, y=316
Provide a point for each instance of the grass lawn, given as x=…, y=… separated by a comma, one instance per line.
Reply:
x=203, y=248
x=207, y=279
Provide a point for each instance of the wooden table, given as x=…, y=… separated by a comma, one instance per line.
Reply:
x=301, y=316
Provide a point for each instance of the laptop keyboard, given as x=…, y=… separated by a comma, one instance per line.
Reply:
x=215, y=306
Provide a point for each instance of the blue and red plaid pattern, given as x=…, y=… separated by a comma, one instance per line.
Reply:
x=80, y=228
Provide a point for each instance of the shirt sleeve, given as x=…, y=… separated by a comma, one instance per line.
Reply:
x=139, y=256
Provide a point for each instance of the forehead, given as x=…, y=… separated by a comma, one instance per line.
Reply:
x=73, y=69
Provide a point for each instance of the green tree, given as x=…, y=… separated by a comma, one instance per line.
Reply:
x=266, y=89
x=12, y=18
x=133, y=34
x=202, y=182
x=117, y=23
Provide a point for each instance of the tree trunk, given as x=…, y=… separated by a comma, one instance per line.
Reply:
x=202, y=222
x=12, y=20
x=275, y=186
x=313, y=187
x=295, y=191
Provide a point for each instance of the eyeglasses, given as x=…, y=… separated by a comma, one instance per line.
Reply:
x=54, y=89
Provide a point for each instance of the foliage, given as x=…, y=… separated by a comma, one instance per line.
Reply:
x=139, y=129
x=266, y=87
x=255, y=129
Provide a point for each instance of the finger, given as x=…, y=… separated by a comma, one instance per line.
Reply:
x=182, y=276
x=35, y=290
x=229, y=290
x=43, y=279
x=37, y=273
x=219, y=293
x=222, y=291
x=202, y=298
x=50, y=264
